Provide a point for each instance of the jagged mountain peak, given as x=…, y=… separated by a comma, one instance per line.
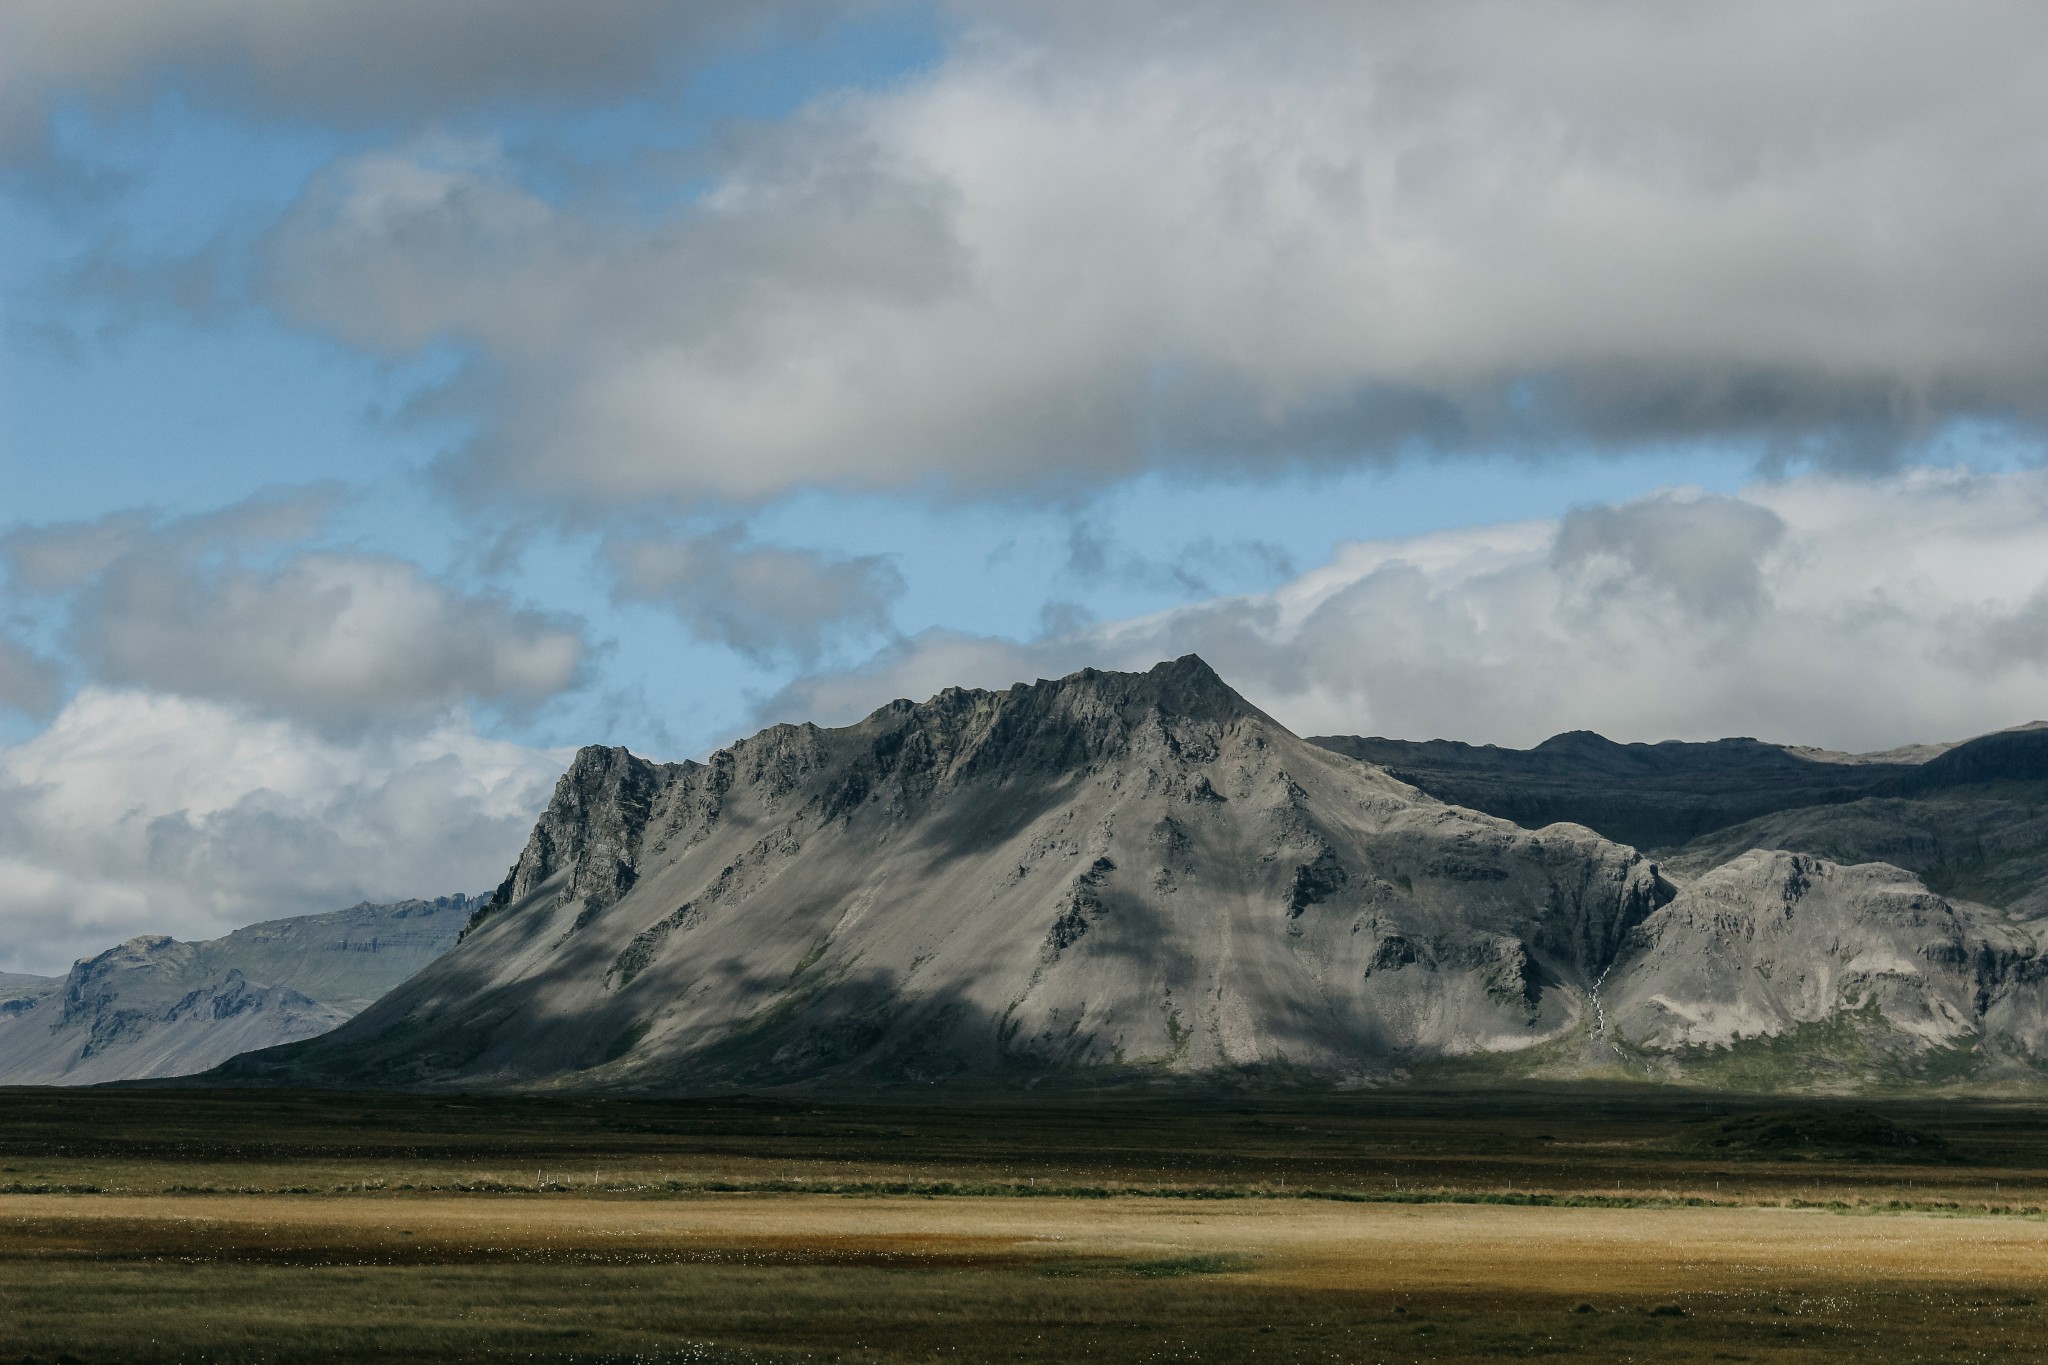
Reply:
x=595, y=827
x=1084, y=716
x=1141, y=876
x=1103, y=701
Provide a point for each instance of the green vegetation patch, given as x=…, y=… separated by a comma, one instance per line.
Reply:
x=1820, y=1134
x=1165, y=1268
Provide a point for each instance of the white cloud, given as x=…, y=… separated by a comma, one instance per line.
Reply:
x=333, y=639
x=339, y=640
x=1853, y=614
x=137, y=812
x=1092, y=241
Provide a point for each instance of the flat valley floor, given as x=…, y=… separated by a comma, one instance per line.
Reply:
x=1590, y=1225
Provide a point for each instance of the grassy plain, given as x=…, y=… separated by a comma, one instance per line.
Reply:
x=1596, y=1225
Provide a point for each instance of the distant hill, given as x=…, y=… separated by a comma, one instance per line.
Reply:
x=1971, y=819
x=154, y=1006
x=1649, y=796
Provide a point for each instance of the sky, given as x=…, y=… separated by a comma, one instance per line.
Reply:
x=396, y=396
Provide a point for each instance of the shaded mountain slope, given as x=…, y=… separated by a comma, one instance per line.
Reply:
x=154, y=1006
x=2016, y=755
x=1986, y=842
x=1108, y=874
x=1649, y=796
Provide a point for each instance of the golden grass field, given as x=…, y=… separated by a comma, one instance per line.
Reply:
x=1136, y=1234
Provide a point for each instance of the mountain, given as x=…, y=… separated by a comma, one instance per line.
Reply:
x=157, y=1007
x=1106, y=876
x=1971, y=819
x=1649, y=796
x=1116, y=879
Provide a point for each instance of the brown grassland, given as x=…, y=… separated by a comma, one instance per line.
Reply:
x=166, y=1225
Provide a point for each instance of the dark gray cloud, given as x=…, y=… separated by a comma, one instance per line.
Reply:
x=65, y=556
x=769, y=603
x=335, y=640
x=359, y=61
x=29, y=683
x=1706, y=552
x=1092, y=243
x=1199, y=568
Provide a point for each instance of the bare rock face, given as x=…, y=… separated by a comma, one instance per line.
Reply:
x=1108, y=875
x=157, y=1007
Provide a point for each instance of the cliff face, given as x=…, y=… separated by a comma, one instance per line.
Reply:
x=1109, y=874
x=155, y=1007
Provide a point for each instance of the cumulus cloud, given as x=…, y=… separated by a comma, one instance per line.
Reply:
x=1092, y=241
x=333, y=639
x=64, y=556
x=1708, y=553
x=137, y=812
x=338, y=640
x=356, y=60
x=1852, y=614
x=767, y=602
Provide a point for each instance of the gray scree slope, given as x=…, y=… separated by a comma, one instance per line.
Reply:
x=156, y=1007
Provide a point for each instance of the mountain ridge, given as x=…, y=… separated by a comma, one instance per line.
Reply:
x=155, y=1006
x=1108, y=870
x=1142, y=879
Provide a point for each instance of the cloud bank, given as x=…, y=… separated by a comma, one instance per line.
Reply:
x=1092, y=242
x=136, y=812
x=1855, y=614
x=371, y=61
x=334, y=640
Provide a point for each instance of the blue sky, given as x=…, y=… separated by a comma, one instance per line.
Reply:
x=381, y=409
